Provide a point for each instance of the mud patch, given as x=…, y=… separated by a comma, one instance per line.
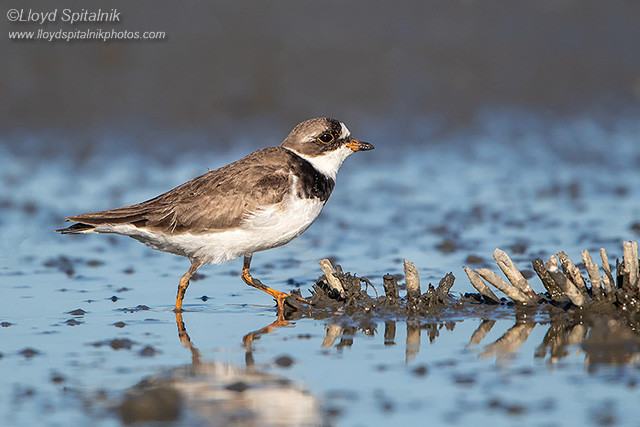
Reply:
x=140, y=307
x=340, y=293
x=116, y=344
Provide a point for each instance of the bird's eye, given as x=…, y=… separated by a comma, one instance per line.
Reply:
x=326, y=138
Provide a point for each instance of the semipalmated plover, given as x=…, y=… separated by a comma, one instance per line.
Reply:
x=259, y=202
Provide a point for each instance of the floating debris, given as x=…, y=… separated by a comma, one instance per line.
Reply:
x=148, y=351
x=116, y=343
x=137, y=308
x=28, y=352
x=73, y=322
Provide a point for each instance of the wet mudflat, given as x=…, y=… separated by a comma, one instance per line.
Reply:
x=88, y=334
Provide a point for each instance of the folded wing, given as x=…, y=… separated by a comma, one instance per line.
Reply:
x=215, y=201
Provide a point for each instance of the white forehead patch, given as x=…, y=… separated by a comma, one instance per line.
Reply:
x=345, y=132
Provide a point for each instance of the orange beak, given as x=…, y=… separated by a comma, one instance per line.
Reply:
x=356, y=145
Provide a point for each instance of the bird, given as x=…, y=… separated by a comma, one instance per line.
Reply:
x=260, y=202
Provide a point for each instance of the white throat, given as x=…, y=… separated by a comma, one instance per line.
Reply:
x=328, y=163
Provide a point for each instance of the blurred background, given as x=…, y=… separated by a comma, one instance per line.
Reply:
x=231, y=68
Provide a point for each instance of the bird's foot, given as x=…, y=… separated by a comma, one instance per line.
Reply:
x=291, y=301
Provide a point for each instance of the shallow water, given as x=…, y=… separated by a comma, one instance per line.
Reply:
x=528, y=185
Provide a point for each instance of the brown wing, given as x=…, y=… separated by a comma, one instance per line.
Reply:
x=217, y=200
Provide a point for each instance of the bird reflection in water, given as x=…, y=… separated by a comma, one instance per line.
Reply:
x=216, y=393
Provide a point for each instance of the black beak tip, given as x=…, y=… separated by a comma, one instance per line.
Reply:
x=365, y=146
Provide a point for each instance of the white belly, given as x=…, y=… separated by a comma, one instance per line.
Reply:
x=267, y=228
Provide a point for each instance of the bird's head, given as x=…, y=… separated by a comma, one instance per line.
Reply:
x=324, y=143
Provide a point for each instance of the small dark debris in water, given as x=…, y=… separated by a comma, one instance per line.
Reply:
x=603, y=413
x=95, y=263
x=21, y=392
x=386, y=404
x=6, y=324
x=129, y=270
x=446, y=363
x=447, y=246
x=148, y=351
x=57, y=378
x=238, y=386
x=304, y=336
x=509, y=408
x=73, y=322
x=116, y=343
x=147, y=402
x=284, y=361
x=62, y=263
x=77, y=312
x=123, y=289
x=135, y=309
x=525, y=372
x=204, y=298
x=119, y=324
x=28, y=353
x=475, y=260
x=30, y=207
x=439, y=229
x=420, y=371
x=516, y=409
x=519, y=248
x=197, y=276
x=334, y=412
x=294, y=283
x=621, y=191
x=6, y=204
x=494, y=403
x=114, y=298
x=464, y=379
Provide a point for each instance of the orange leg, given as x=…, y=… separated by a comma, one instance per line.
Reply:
x=280, y=322
x=279, y=296
x=184, y=283
x=186, y=340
